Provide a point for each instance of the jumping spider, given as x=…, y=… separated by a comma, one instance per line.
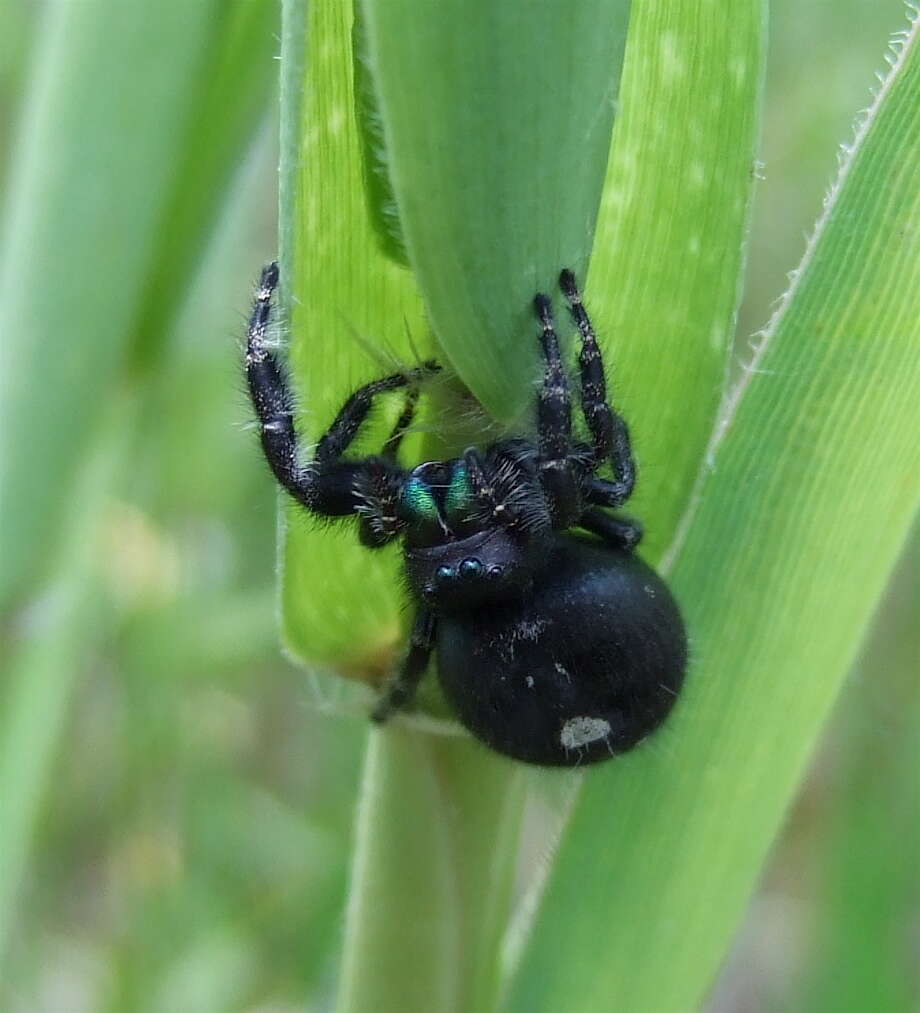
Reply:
x=553, y=648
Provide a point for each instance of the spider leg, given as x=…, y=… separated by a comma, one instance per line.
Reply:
x=326, y=485
x=379, y=482
x=603, y=492
x=402, y=689
x=271, y=396
x=371, y=488
x=609, y=433
x=622, y=532
x=338, y=437
x=554, y=425
x=505, y=488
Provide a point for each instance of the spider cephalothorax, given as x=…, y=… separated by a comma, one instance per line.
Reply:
x=554, y=648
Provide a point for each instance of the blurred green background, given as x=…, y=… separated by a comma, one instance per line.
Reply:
x=175, y=811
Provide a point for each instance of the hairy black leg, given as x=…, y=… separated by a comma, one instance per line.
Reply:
x=379, y=484
x=505, y=488
x=554, y=424
x=375, y=490
x=271, y=397
x=623, y=532
x=402, y=689
x=603, y=492
x=369, y=487
x=609, y=433
x=490, y=506
x=328, y=484
x=337, y=438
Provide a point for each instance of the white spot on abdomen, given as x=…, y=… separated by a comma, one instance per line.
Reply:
x=578, y=732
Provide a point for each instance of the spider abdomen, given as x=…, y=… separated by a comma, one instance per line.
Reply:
x=583, y=667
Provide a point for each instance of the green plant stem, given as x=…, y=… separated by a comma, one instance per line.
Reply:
x=434, y=865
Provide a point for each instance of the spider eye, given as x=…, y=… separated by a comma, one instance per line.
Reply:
x=495, y=571
x=469, y=567
x=445, y=572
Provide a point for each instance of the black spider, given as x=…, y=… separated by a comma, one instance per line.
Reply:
x=552, y=648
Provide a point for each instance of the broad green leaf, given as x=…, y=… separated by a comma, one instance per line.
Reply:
x=496, y=119
x=106, y=161
x=668, y=257
x=353, y=315
x=815, y=479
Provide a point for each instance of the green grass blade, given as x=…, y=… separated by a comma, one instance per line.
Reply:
x=343, y=297
x=434, y=871
x=797, y=526
x=413, y=965
x=381, y=201
x=226, y=102
x=668, y=255
x=497, y=121
x=101, y=157
x=103, y=152
x=868, y=836
x=17, y=24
